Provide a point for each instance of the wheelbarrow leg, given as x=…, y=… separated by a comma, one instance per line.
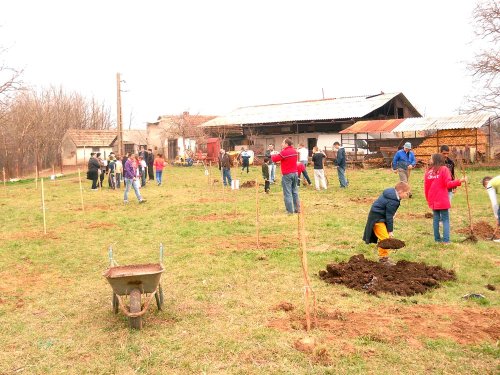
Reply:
x=115, y=303
x=135, y=307
x=159, y=297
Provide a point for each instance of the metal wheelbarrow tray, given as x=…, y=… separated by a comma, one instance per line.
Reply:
x=135, y=280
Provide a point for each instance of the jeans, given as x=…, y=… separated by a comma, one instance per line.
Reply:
x=130, y=182
x=290, y=184
x=226, y=176
x=118, y=180
x=272, y=172
x=158, y=176
x=143, y=177
x=444, y=216
x=343, y=181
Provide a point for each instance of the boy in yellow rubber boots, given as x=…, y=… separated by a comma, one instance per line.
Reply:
x=380, y=223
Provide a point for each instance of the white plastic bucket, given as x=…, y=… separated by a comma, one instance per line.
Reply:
x=235, y=184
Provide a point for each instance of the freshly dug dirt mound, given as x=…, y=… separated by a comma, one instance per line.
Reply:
x=248, y=184
x=481, y=229
x=391, y=243
x=403, y=279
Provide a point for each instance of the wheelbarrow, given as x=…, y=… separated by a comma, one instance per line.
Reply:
x=135, y=280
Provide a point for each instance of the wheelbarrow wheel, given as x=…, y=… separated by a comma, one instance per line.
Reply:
x=135, y=307
x=159, y=297
x=115, y=303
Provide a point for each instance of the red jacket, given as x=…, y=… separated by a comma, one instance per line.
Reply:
x=436, y=187
x=288, y=159
x=300, y=168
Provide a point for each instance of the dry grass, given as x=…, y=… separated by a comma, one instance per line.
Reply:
x=222, y=292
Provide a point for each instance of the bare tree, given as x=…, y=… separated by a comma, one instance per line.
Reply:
x=486, y=66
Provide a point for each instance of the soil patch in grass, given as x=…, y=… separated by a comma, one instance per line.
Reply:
x=215, y=216
x=363, y=199
x=413, y=324
x=481, y=229
x=239, y=243
x=101, y=225
x=404, y=279
x=29, y=235
x=248, y=184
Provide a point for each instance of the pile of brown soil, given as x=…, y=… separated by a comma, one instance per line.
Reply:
x=403, y=279
x=248, y=184
x=481, y=229
x=391, y=243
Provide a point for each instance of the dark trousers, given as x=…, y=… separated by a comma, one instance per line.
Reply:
x=93, y=176
x=151, y=172
x=267, y=186
x=245, y=164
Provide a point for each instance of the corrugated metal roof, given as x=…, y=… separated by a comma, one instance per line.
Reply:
x=325, y=109
x=471, y=121
x=89, y=138
x=374, y=126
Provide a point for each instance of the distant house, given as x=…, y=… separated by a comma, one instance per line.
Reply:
x=77, y=144
x=173, y=135
x=132, y=141
x=312, y=122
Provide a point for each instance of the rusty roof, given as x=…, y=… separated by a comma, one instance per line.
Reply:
x=92, y=138
x=323, y=109
x=374, y=126
x=470, y=121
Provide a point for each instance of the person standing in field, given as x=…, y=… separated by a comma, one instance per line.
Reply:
x=380, y=222
x=245, y=159
x=159, y=164
x=118, y=171
x=130, y=176
x=102, y=168
x=272, y=166
x=150, y=162
x=318, y=159
x=437, y=181
x=304, y=160
x=93, y=170
x=289, y=179
x=225, y=167
x=403, y=162
x=492, y=186
x=340, y=162
x=445, y=151
x=265, y=175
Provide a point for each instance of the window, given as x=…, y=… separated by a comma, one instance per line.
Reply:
x=401, y=112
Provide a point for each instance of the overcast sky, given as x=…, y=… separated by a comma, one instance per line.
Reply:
x=212, y=56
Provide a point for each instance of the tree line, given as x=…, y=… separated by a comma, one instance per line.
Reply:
x=33, y=123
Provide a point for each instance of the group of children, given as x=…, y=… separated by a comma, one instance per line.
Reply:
x=439, y=184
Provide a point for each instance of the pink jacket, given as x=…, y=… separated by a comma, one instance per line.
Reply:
x=436, y=187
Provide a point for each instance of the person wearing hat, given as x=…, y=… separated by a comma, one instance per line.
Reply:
x=403, y=161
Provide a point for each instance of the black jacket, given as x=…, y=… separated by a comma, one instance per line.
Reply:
x=93, y=165
x=383, y=210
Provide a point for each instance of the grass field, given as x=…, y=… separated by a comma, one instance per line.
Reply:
x=222, y=310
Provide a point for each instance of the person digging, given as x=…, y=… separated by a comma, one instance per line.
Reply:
x=380, y=223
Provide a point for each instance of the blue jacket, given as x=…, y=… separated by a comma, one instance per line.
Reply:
x=382, y=210
x=340, y=161
x=403, y=160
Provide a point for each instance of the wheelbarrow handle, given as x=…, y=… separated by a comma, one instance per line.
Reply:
x=161, y=252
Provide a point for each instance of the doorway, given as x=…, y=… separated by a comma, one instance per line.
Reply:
x=311, y=143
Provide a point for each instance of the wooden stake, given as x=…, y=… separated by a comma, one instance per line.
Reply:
x=36, y=177
x=307, y=284
x=43, y=210
x=81, y=189
x=257, y=223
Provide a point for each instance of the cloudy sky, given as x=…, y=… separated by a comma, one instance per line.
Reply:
x=210, y=57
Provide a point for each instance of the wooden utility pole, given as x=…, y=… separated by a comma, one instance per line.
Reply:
x=119, y=115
